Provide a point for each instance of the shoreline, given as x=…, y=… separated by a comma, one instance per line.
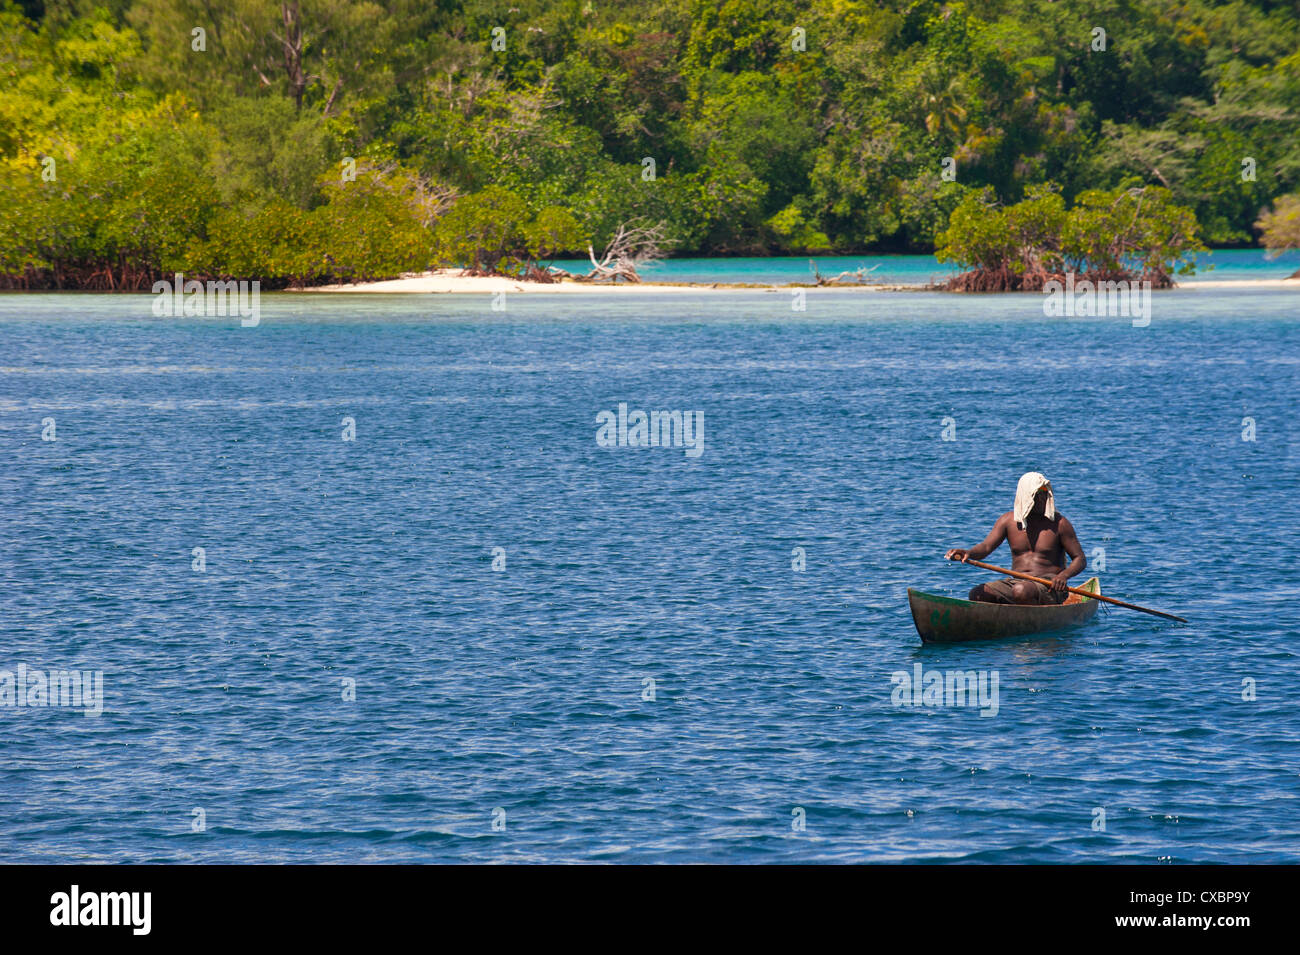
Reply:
x=451, y=282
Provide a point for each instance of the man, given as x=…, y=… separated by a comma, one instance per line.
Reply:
x=1038, y=536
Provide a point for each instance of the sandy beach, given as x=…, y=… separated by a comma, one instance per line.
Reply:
x=1240, y=283
x=451, y=281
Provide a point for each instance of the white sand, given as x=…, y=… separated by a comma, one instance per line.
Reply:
x=450, y=281
x=1239, y=283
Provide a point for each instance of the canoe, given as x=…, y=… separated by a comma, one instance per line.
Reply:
x=949, y=620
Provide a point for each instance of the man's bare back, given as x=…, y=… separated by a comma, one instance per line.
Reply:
x=1038, y=547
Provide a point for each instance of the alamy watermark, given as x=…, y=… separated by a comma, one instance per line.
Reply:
x=79, y=689
x=654, y=429
x=216, y=299
x=1091, y=299
x=946, y=688
x=75, y=907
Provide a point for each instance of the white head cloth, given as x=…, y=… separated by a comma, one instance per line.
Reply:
x=1029, y=485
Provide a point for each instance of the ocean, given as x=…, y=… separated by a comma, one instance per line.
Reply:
x=364, y=583
x=1217, y=266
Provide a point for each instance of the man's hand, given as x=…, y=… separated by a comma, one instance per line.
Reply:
x=1060, y=582
x=957, y=553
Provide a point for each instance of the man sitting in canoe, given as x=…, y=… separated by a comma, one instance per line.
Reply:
x=1038, y=535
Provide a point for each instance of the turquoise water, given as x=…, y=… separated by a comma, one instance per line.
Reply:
x=525, y=689
x=1228, y=264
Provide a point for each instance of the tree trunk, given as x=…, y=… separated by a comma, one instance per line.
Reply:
x=292, y=44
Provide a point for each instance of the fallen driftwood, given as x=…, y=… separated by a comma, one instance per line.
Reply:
x=632, y=245
x=860, y=274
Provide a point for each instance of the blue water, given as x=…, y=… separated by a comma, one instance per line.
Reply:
x=1221, y=265
x=781, y=270
x=522, y=690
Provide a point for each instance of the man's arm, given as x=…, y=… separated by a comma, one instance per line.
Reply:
x=1070, y=543
x=984, y=547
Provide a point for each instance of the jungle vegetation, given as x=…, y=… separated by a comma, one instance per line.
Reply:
x=329, y=140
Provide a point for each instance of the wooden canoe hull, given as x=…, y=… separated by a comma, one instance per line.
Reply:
x=950, y=620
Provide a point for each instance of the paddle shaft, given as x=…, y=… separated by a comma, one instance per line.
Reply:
x=1073, y=590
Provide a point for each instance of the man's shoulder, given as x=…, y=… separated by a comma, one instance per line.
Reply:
x=1006, y=518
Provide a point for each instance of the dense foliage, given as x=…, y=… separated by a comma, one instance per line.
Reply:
x=1132, y=234
x=332, y=139
x=1280, y=226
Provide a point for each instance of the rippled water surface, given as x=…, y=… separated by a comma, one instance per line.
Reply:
x=369, y=563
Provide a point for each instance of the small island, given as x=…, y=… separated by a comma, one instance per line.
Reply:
x=324, y=146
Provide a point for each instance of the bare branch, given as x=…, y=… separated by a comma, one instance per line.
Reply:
x=633, y=244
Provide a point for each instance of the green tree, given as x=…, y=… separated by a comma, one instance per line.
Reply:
x=1280, y=226
x=483, y=229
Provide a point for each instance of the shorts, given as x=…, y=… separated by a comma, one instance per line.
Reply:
x=1000, y=591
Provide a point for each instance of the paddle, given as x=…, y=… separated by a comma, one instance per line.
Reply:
x=1073, y=590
